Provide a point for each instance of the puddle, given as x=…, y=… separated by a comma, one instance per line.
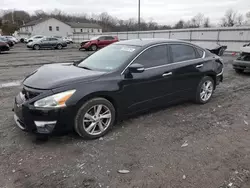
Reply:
x=10, y=84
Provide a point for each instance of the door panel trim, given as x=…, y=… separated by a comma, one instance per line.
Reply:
x=204, y=54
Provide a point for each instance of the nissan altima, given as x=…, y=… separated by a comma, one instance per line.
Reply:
x=122, y=79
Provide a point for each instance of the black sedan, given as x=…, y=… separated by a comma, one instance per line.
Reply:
x=4, y=46
x=119, y=80
x=47, y=42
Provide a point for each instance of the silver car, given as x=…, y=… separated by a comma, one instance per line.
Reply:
x=47, y=42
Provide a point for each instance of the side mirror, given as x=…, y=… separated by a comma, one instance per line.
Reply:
x=136, y=68
x=98, y=40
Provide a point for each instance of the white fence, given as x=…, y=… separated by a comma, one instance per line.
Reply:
x=233, y=37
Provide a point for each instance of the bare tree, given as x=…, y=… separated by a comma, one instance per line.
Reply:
x=206, y=22
x=229, y=19
x=179, y=24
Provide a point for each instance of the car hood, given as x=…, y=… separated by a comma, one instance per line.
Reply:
x=58, y=75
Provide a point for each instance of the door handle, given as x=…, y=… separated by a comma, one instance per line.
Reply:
x=167, y=74
x=199, y=66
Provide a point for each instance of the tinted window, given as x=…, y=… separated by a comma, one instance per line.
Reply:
x=109, y=58
x=181, y=52
x=102, y=38
x=109, y=38
x=200, y=52
x=53, y=39
x=154, y=56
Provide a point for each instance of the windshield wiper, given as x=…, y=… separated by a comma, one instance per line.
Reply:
x=84, y=67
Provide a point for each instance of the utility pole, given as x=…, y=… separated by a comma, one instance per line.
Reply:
x=139, y=14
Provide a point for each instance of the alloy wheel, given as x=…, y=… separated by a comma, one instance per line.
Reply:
x=206, y=90
x=97, y=119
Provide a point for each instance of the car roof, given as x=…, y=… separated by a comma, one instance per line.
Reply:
x=148, y=41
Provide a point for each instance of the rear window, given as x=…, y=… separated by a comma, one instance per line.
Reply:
x=182, y=52
x=200, y=52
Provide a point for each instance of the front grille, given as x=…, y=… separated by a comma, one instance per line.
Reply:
x=29, y=94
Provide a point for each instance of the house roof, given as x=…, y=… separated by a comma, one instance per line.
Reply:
x=35, y=22
x=83, y=25
x=72, y=24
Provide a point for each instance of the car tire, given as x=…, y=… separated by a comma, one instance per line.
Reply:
x=36, y=47
x=93, y=47
x=205, y=90
x=239, y=71
x=59, y=46
x=88, y=122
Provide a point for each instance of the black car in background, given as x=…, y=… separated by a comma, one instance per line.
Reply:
x=4, y=46
x=8, y=41
x=119, y=80
x=47, y=42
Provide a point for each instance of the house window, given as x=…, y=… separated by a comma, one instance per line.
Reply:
x=26, y=29
x=81, y=30
x=57, y=28
x=74, y=30
x=50, y=28
x=92, y=30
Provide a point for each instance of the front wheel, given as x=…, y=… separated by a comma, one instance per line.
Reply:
x=59, y=47
x=93, y=47
x=36, y=47
x=204, y=90
x=95, y=118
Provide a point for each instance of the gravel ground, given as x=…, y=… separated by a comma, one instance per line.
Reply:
x=183, y=146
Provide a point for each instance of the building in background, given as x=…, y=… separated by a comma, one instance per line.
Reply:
x=55, y=27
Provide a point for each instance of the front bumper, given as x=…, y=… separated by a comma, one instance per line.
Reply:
x=243, y=65
x=41, y=121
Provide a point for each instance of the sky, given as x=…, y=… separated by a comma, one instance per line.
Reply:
x=160, y=11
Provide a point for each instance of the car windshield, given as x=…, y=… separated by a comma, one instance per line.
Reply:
x=109, y=58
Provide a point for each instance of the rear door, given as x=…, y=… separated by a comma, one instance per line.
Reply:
x=109, y=40
x=101, y=42
x=187, y=65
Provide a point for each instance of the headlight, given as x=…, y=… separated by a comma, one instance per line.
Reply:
x=55, y=101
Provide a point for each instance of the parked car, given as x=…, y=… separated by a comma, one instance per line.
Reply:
x=13, y=39
x=98, y=42
x=68, y=40
x=242, y=63
x=9, y=42
x=47, y=42
x=34, y=38
x=215, y=48
x=4, y=46
x=119, y=80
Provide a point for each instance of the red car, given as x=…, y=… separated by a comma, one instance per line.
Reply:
x=98, y=42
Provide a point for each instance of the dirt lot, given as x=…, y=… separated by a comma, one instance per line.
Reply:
x=183, y=146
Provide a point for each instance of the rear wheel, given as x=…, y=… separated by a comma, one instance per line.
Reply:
x=95, y=118
x=36, y=47
x=239, y=71
x=204, y=90
x=59, y=47
x=93, y=47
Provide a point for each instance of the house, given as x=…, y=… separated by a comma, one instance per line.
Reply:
x=55, y=27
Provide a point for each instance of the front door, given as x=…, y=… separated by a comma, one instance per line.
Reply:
x=45, y=43
x=152, y=87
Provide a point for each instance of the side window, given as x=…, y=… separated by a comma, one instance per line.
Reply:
x=53, y=39
x=154, y=56
x=109, y=38
x=200, y=52
x=102, y=38
x=182, y=52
